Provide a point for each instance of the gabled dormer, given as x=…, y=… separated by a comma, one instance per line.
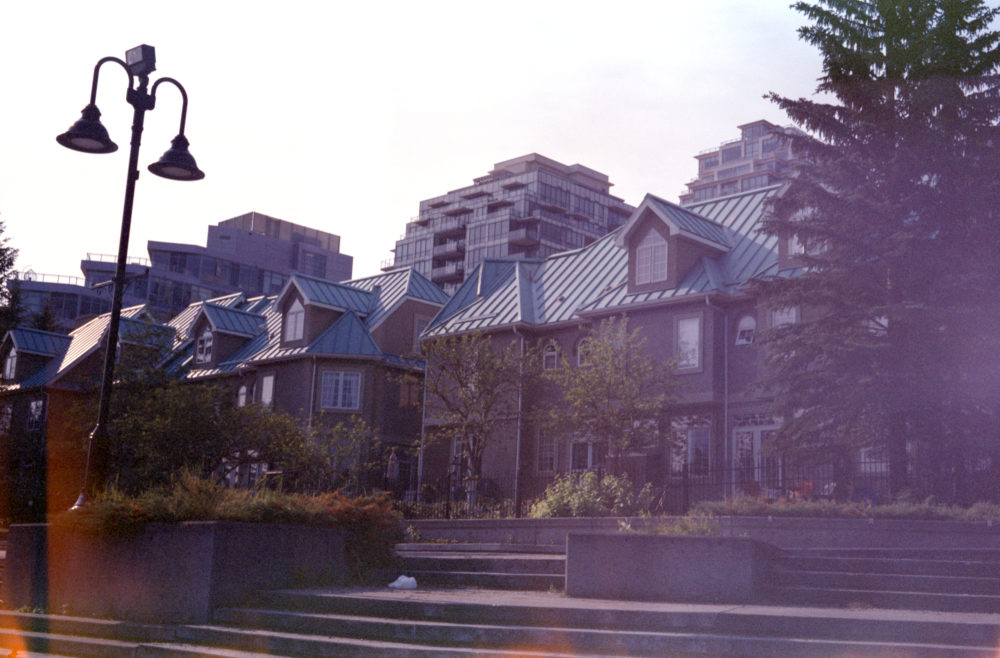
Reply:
x=308, y=305
x=217, y=331
x=24, y=351
x=664, y=241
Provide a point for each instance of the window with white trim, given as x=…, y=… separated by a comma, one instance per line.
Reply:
x=651, y=258
x=10, y=364
x=550, y=357
x=692, y=445
x=587, y=456
x=36, y=415
x=203, y=346
x=241, y=396
x=688, y=346
x=745, y=330
x=546, y=461
x=783, y=316
x=267, y=390
x=295, y=321
x=340, y=389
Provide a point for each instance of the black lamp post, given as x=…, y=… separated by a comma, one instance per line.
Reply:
x=90, y=136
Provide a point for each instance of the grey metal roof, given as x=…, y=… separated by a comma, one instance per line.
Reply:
x=340, y=296
x=231, y=320
x=593, y=280
x=36, y=341
x=691, y=222
x=391, y=289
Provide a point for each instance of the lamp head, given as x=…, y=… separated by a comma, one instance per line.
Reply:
x=177, y=163
x=88, y=134
x=141, y=60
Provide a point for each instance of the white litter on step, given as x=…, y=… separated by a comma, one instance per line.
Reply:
x=404, y=582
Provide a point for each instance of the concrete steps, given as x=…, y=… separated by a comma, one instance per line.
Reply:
x=909, y=579
x=493, y=566
x=552, y=624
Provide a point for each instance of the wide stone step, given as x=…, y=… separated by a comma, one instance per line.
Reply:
x=947, y=554
x=541, y=640
x=926, y=567
x=537, y=582
x=457, y=547
x=884, y=582
x=482, y=608
x=487, y=562
x=900, y=600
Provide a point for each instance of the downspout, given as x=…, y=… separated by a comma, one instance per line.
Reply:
x=423, y=425
x=312, y=396
x=726, y=456
x=517, y=450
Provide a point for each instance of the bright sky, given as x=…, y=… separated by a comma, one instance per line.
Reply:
x=343, y=116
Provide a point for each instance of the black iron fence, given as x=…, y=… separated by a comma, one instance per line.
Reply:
x=675, y=493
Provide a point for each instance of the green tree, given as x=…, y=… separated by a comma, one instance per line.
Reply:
x=896, y=211
x=616, y=396
x=10, y=299
x=473, y=385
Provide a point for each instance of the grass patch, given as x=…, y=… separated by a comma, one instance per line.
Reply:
x=372, y=525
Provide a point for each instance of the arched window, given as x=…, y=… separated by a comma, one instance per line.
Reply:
x=203, y=347
x=10, y=364
x=295, y=320
x=745, y=330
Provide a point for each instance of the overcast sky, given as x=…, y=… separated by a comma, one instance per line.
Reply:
x=343, y=116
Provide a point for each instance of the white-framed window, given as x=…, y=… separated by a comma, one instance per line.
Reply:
x=745, y=330
x=36, y=415
x=583, y=352
x=340, y=389
x=6, y=415
x=295, y=321
x=651, y=258
x=688, y=343
x=241, y=396
x=756, y=471
x=692, y=445
x=10, y=364
x=550, y=357
x=203, y=346
x=587, y=456
x=783, y=316
x=267, y=390
x=546, y=459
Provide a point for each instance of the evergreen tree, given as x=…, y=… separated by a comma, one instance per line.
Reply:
x=10, y=298
x=896, y=210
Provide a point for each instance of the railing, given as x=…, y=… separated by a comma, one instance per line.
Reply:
x=111, y=258
x=31, y=275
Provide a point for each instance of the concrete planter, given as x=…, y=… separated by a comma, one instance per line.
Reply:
x=666, y=568
x=172, y=572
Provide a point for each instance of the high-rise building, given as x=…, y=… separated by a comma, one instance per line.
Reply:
x=251, y=253
x=528, y=207
x=759, y=158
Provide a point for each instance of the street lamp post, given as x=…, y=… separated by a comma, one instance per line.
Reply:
x=88, y=135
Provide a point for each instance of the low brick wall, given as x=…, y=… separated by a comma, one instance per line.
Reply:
x=172, y=572
x=666, y=568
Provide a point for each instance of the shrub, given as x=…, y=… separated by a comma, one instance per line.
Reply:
x=925, y=511
x=585, y=495
x=373, y=528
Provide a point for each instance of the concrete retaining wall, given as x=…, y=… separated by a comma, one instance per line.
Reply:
x=666, y=568
x=781, y=532
x=172, y=573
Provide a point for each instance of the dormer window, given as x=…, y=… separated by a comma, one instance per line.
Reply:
x=295, y=321
x=203, y=347
x=651, y=259
x=10, y=364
